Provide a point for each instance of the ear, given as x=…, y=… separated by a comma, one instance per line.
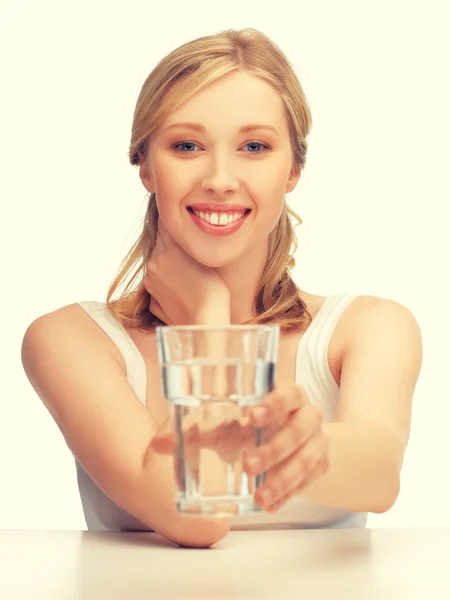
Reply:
x=293, y=178
x=145, y=174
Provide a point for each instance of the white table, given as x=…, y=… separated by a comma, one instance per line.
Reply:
x=380, y=564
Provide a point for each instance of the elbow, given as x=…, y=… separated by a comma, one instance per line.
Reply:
x=202, y=539
x=203, y=533
x=198, y=543
x=389, y=500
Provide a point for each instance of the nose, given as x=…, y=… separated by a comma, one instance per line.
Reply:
x=220, y=178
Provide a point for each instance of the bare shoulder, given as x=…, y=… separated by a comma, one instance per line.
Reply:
x=373, y=307
x=360, y=323
x=368, y=314
x=74, y=317
x=358, y=306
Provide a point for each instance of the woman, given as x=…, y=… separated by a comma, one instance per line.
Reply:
x=215, y=248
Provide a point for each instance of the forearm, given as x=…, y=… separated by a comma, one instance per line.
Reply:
x=364, y=468
x=153, y=501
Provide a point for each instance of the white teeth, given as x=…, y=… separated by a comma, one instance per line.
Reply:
x=214, y=219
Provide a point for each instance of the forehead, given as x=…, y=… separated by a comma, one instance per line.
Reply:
x=236, y=98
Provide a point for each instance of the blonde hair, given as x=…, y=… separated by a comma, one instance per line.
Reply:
x=182, y=73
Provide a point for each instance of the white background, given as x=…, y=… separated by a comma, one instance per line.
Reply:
x=374, y=196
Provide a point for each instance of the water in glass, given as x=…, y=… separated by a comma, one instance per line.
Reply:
x=210, y=394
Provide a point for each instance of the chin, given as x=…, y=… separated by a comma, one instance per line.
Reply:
x=214, y=262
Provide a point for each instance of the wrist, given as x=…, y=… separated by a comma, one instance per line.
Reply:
x=216, y=314
x=213, y=318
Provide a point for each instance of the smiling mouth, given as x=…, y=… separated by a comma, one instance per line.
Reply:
x=219, y=219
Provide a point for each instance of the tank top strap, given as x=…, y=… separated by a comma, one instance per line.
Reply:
x=135, y=364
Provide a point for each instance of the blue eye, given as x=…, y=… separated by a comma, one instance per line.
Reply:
x=176, y=147
x=257, y=144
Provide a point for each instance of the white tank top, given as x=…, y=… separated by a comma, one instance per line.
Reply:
x=312, y=372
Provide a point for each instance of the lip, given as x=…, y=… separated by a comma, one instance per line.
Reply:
x=219, y=230
x=219, y=208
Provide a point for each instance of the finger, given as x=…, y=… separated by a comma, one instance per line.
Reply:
x=227, y=439
x=154, y=307
x=317, y=472
x=163, y=443
x=286, y=397
x=293, y=471
x=300, y=426
x=147, y=285
x=156, y=310
x=148, y=280
x=149, y=265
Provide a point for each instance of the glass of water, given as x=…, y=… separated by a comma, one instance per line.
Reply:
x=211, y=377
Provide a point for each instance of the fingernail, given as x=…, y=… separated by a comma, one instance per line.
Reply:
x=260, y=413
x=254, y=463
x=267, y=496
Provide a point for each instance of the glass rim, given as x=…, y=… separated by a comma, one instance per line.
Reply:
x=216, y=327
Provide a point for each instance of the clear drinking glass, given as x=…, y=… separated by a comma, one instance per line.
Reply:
x=211, y=376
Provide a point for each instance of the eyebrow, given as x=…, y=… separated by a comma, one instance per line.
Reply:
x=243, y=129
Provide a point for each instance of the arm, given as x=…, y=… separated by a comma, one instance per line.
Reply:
x=106, y=426
x=367, y=442
x=217, y=312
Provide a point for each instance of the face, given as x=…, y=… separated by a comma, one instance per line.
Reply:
x=222, y=167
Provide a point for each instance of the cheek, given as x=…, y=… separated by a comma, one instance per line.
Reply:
x=169, y=193
x=274, y=193
x=170, y=179
x=275, y=183
x=266, y=225
x=269, y=207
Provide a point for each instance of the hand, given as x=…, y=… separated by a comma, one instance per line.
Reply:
x=182, y=290
x=228, y=439
x=296, y=455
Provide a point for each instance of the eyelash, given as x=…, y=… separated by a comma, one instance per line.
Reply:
x=175, y=146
